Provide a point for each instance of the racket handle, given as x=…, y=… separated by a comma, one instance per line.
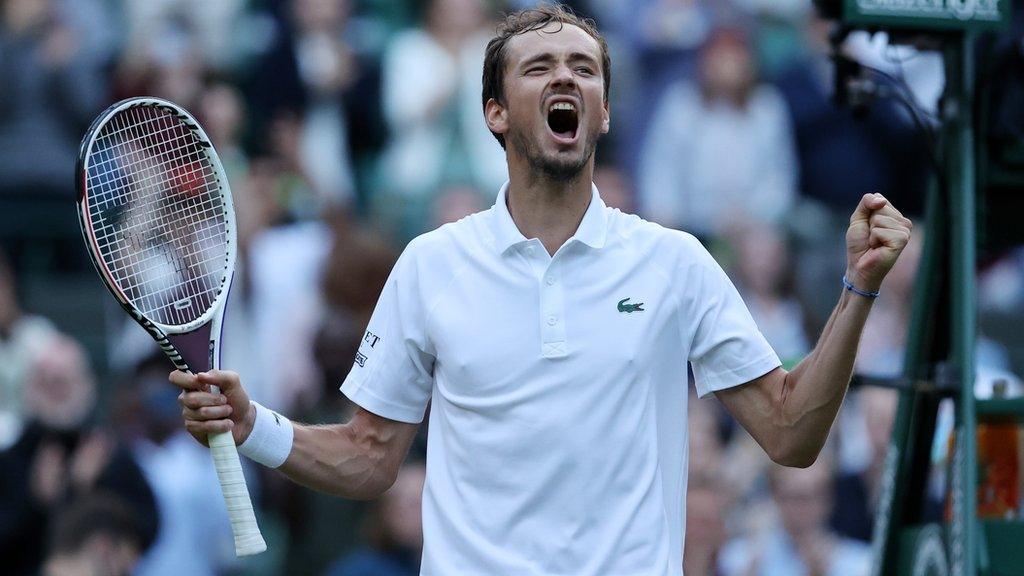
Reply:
x=248, y=540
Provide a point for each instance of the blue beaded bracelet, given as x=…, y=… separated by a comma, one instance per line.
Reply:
x=854, y=289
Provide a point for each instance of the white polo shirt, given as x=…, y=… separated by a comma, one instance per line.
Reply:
x=558, y=441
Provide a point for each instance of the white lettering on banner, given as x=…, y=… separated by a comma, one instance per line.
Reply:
x=949, y=9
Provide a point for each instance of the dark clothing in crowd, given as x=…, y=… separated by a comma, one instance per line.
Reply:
x=24, y=520
x=44, y=107
x=373, y=562
x=842, y=155
x=852, y=516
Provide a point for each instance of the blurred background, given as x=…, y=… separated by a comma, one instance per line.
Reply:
x=346, y=128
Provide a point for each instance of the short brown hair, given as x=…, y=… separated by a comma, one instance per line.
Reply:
x=525, y=21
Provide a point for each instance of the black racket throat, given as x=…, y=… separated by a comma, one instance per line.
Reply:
x=196, y=349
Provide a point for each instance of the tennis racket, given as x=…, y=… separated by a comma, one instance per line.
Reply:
x=157, y=218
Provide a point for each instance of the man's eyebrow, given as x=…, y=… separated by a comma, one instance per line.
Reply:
x=582, y=56
x=542, y=57
x=549, y=57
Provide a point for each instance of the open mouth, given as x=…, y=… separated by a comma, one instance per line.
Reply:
x=563, y=121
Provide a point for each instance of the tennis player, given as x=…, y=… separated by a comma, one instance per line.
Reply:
x=552, y=335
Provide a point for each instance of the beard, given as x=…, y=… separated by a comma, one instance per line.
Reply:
x=554, y=167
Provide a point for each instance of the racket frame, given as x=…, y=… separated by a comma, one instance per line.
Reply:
x=158, y=330
x=179, y=342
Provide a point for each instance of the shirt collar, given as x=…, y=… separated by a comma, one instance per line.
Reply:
x=592, y=230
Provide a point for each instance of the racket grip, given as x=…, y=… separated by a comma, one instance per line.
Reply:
x=248, y=540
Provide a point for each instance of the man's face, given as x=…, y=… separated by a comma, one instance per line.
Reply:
x=804, y=498
x=554, y=109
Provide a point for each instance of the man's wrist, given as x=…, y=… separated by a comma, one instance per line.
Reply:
x=860, y=283
x=270, y=440
x=849, y=287
x=245, y=426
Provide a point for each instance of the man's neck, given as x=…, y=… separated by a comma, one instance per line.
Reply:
x=547, y=210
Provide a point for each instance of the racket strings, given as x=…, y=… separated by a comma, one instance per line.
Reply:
x=158, y=214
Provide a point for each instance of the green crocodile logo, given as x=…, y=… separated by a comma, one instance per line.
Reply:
x=630, y=308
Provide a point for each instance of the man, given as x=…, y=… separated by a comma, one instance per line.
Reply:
x=801, y=543
x=97, y=535
x=551, y=335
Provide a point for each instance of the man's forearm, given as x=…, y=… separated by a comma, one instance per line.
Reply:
x=357, y=460
x=814, y=390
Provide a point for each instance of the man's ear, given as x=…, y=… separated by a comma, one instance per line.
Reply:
x=606, y=119
x=496, y=116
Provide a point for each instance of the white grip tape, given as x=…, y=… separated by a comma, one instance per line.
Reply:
x=248, y=540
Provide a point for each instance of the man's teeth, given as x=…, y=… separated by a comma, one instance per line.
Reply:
x=563, y=106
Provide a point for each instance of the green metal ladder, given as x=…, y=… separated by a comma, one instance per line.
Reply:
x=940, y=363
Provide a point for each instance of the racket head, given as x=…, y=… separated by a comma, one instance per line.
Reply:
x=156, y=213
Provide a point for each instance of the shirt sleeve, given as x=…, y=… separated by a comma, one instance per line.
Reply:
x=727, y=348
x=393, y=373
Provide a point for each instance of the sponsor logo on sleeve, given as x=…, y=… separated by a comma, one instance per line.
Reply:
x=370, y=340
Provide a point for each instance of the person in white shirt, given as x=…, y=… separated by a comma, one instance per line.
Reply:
x=552, y=335
x=799, y=542
x=720, y=149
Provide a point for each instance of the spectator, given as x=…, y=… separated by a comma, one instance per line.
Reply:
x=96, y=536
x=163, y=55
x=394, y=532
x=719, y=151
x=858, y=490
x=432, y=89
x=316, y=83
x=455, y=202
x=764, y=280
x=158, y=27
x=22, y=337
x=51, y=89
x=707, y=492
x=360, y=259
x=192, y=513
x=60, y=457
x=615, y=187
x=285, y=270
x=841, y=157
x=801, y=544
x=221, y=112
x=706, y=506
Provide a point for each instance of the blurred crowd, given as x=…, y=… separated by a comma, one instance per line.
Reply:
x=346, y=128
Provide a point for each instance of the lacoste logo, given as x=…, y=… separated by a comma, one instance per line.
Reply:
x=630, y=308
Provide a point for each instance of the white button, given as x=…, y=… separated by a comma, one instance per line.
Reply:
x=552, y=320
x=550, y=280
x=529, y=250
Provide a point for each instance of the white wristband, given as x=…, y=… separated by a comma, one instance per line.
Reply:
x=270, y=441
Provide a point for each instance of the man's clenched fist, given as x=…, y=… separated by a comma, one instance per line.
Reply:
x=876, y=237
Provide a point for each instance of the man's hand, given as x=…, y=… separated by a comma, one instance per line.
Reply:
x=207, y=413
x=877, y=235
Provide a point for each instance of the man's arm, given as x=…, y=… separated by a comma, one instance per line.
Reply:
x=358, y=460
x=790, y=413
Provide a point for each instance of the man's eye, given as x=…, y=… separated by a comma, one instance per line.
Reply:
x=535, y=70
x=584, y=70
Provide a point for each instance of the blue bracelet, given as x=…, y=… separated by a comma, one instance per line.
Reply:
x=852, y=288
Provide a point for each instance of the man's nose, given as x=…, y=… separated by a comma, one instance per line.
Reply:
x=563, y=77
